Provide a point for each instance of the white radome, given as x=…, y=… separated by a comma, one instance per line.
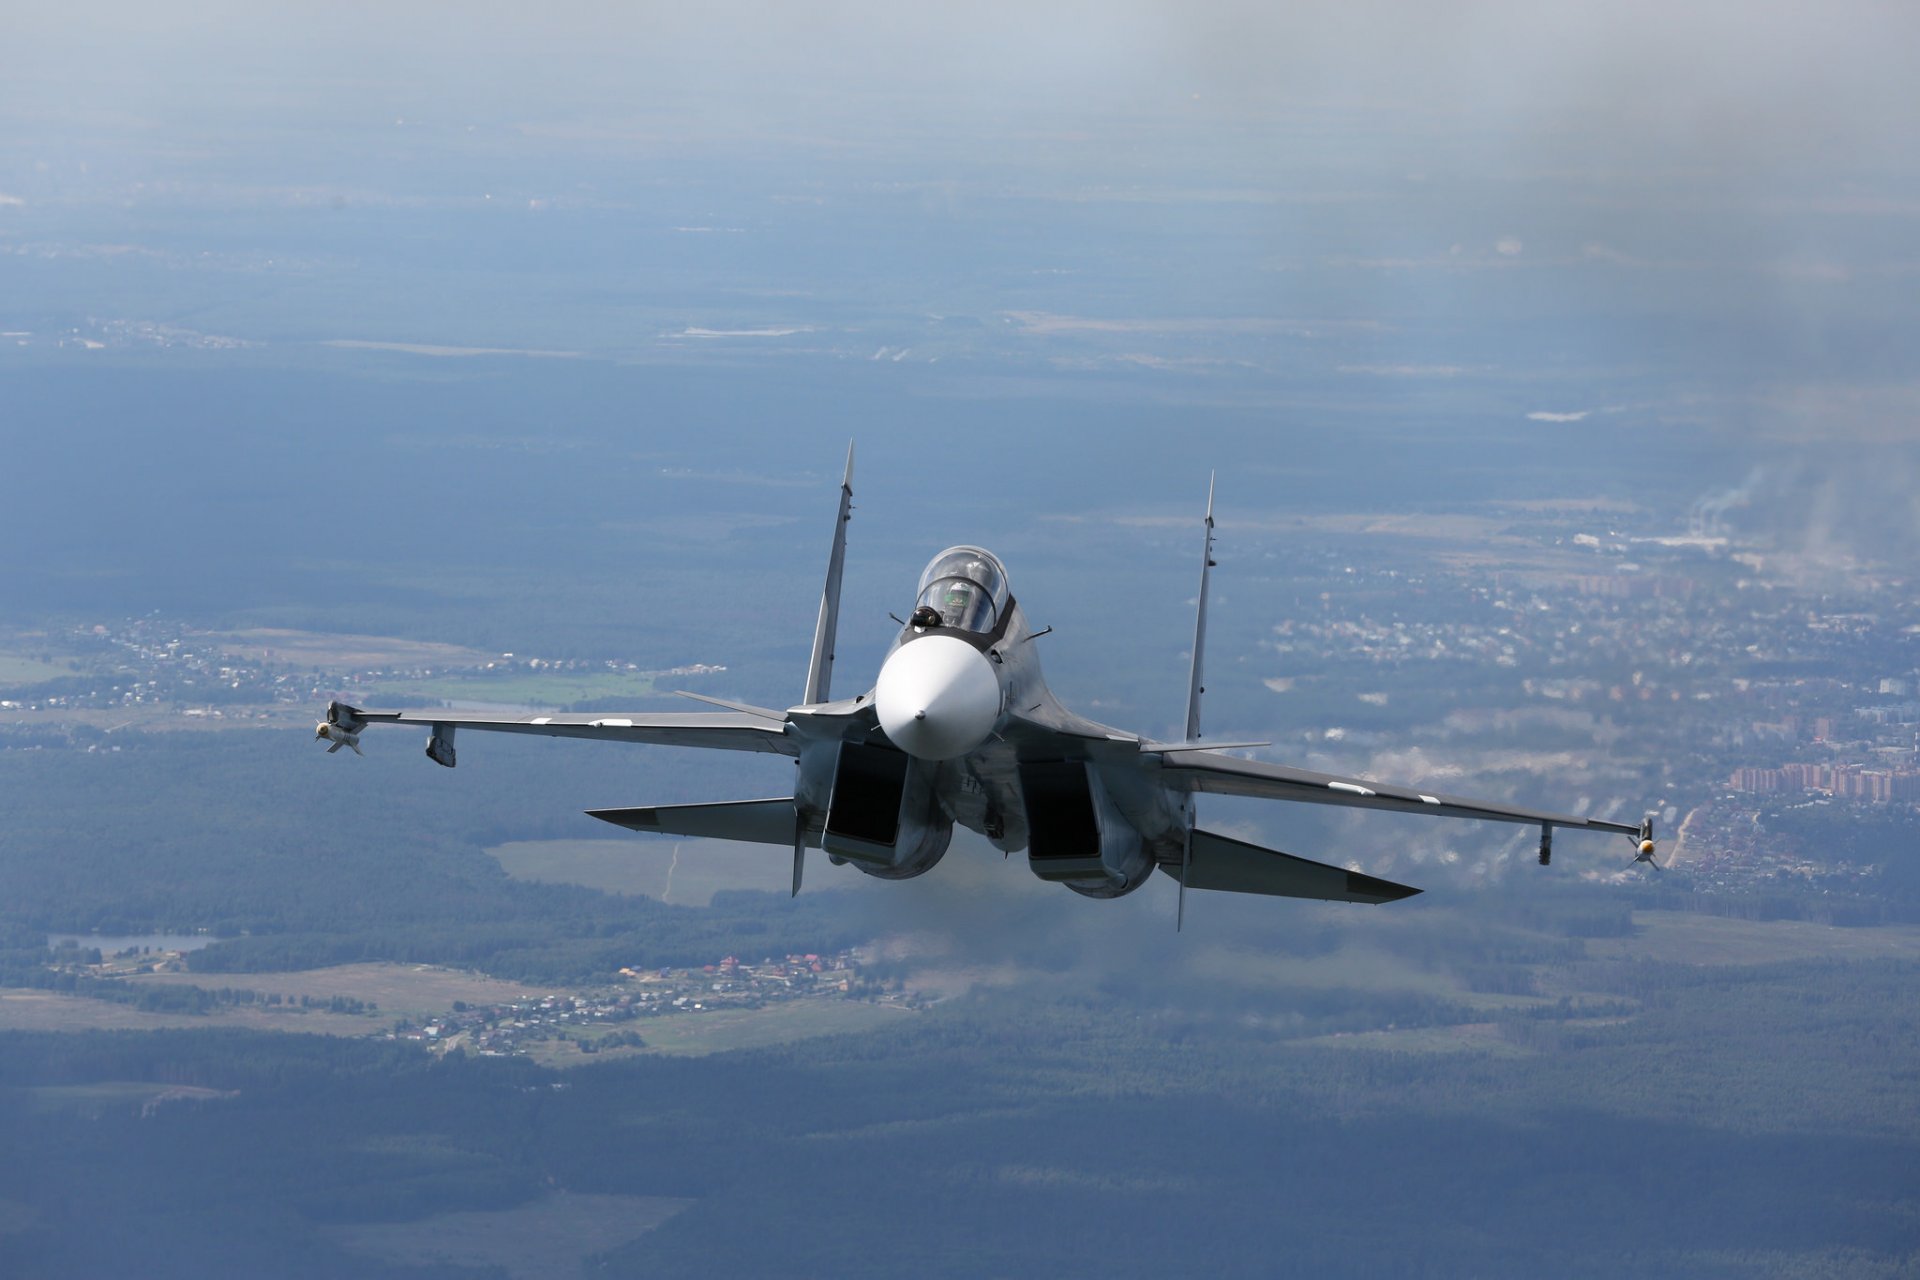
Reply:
x=937, y=697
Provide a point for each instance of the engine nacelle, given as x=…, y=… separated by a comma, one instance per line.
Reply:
x=1076, y=835
x=882, y=814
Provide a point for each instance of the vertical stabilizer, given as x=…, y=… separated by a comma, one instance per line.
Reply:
x=1194, y=688
x=820, y=669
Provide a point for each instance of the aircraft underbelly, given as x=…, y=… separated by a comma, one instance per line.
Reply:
x=982, y=792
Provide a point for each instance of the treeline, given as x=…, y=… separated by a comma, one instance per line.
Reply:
x=300, y=860
x=549, y=944
x=1843, y=905
x=1884, y=836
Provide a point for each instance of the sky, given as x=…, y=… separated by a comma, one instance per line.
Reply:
x=1614, y=224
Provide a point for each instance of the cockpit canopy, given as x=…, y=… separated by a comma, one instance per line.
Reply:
x=967, y=587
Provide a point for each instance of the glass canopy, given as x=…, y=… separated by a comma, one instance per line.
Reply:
x=966, y=587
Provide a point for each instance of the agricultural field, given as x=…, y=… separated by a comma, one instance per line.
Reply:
x=683, y=872
x=334, y=652
x=552, y=1235
x=19, y=669
x=105, y=1095
x=30, y=1010
x=400, y=990
x=1467, y=1037
x=1689, y=938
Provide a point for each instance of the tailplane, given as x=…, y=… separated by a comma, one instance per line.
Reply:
x=777, y=821
x=1220, y=862
x=755, y=821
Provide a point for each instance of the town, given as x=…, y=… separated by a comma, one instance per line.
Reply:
x=157, y=663
x=616, y=1015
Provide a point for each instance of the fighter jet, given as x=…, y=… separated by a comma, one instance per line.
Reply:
x=960, y=729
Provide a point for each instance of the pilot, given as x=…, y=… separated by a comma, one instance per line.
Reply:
x=958, y=601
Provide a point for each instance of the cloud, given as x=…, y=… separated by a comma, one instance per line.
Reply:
x=1405, y=370
x=693, y=331
x=1508, y=246
x=1047, y=323
x=1548, y=415
x=435, y=349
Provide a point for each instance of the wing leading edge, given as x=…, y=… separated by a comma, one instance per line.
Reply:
x=725, y=730
x=1216, y=774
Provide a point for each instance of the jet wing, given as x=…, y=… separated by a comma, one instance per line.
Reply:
x=1226, y=775
x=726, y=730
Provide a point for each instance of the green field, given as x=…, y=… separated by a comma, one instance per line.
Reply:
x=35, y=1010
x=340, y=651
x=552, y=1235
x=1688, y=938
x=92, y=1099
x=695, y=1034
x=1468, y=1037
x=683, y=872
x=524, y=689
x=400, y=990
x=18, y=669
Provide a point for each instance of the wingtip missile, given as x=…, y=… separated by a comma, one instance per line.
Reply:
x=338, y=737
x=1644, y=848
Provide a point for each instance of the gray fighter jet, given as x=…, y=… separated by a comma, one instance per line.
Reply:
x=961, y=728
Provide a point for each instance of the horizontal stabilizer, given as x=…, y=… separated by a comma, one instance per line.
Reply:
x=757, y=821
x=745, y=708
x=1220, y=862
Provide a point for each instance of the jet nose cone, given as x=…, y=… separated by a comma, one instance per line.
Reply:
x=937, y=698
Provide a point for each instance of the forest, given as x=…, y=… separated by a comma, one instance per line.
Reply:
x=1530, y=1086
x=257, y=839
x=1750, y=1122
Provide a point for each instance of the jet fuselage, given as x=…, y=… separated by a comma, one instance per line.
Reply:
x=961, y=693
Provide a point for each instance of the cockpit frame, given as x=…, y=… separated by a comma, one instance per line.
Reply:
x=967, y=587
